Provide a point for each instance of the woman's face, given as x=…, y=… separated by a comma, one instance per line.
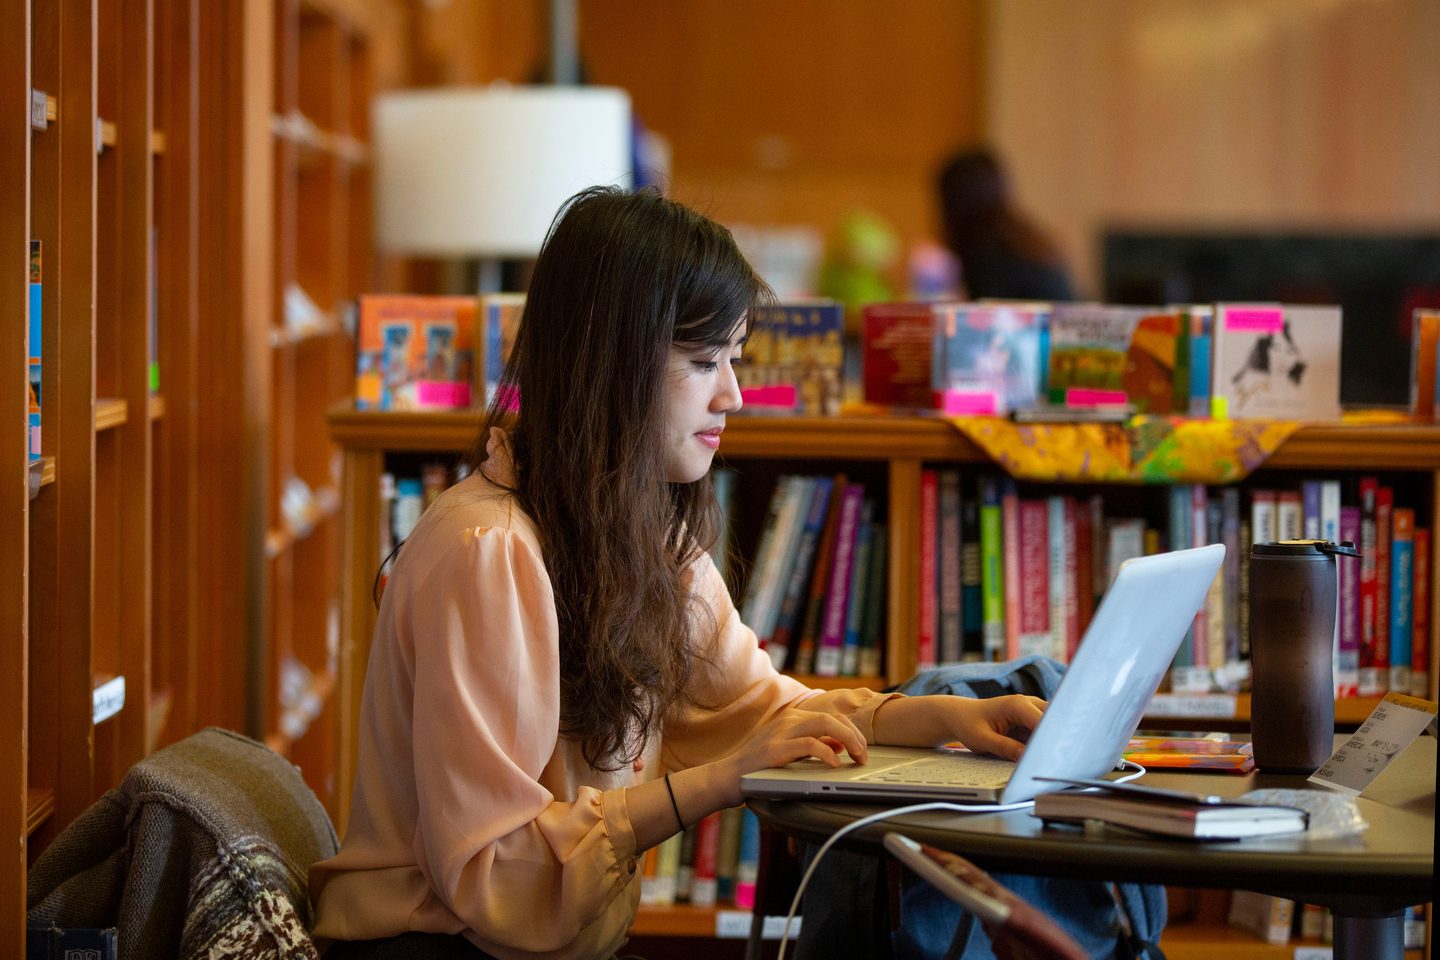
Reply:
x=700, y=389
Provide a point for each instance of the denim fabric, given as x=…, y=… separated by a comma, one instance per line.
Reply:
x=844, y=908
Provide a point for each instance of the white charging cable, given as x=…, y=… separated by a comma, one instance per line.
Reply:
x=1139, y=771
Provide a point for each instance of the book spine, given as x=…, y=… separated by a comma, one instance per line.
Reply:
x=1369, y=678
x=704, y=886
x=1199, y=354
x=1247, y=540
x=929, y=508
x=685, y=872
x=798, y=490
x=872, y=651
x=1262, y=516
x=1420, y=642
x=1402, y=585
x=1347, y=655
x=667, y=870
x=747, y=867
x=1230, y=536
x=764, y=559
x=1034, y=575
x=1384, y=524
x=950, y=547
x=1055, y=574
x=992, y=568
x=1070, y=567
x=729, y=855
x=1330, y=510
x=1084, y=568
x=793, y=603
x=859, y=569
x=972, y=586
x=832, y=633
x=1289, y=515
x=1310, y=509
x=1010, y=552
x=1215, y=597
x=1198, y=679
x=815, y=604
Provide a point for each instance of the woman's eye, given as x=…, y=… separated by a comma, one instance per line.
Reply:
x=706, y=366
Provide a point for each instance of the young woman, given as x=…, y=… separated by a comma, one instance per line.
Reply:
x=554, y=636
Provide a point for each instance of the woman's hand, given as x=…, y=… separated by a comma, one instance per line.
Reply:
x=793, y=735
x=997, y=725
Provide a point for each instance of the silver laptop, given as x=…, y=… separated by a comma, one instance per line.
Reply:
x=1116, y=669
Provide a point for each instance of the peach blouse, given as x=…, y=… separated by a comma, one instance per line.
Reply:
x=471, y=814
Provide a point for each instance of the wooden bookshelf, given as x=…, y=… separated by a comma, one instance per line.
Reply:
x=145, y=172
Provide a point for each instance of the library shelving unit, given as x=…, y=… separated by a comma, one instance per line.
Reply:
x=329, y=56
x=133, y=566
x=889, y=454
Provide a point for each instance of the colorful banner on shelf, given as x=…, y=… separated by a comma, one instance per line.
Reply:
x=1145, y=450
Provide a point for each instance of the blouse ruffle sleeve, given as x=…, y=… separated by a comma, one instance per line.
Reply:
x=737, y=689
x=527, y=873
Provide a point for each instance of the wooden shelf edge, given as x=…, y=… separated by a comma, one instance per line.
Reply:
x=42, y=474
x=156, y=407
x=1349, y=711
x=39, y=807
x=888, y=437
x=678, y=920
x=1205, y=941
x=111, y=412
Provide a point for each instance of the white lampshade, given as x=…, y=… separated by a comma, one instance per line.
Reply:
x=481, y=171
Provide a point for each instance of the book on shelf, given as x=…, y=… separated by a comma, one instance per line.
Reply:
x=1170, y=813
x=949, y=588
x=830, y=644
x=1420, y=630
x=497, y=322
x=855, y=602
x=1154, y=377
x=1402, y=586
x=36, y=338
x=747, y=861
x=1424, y=348
x=972, y=612
x=792, y=605
x=927, y=626
x=819, y=581
x=1277, y=361
x=872, y=630
x=794, y=360
x=704, y=885
x=1347, y=627
x=897, y=344
x=1089, y=350
x=414, y=352
x=986, y=357
x=1197, y=320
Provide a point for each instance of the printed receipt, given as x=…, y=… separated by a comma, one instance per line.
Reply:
x=1391, y=727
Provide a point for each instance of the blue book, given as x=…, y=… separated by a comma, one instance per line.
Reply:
x=1402, y=577
x=1199, y=320
x=859, y=571
x=36, y=343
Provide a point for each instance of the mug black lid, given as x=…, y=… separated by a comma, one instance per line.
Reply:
x=1304, y=548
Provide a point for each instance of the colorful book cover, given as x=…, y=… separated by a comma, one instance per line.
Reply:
x=37, y=340
x=1402, y=585
x=987, y=357
x=414, y=352
x=1280, y=362
x=951, y=634
x=1089, y=349
x=1154, y=377
x=1420, y=632
x=897, y=340
x=747, y=866
x=837, y=599
x=1010, y=553
x=499, y=321
x=1183, y=753
x=794, y=360
x=992, y=568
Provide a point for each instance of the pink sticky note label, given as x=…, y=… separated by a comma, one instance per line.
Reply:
x=960, y=403
x=1255, y=319
x=442, y=393
x=780, y=395
x=1090, y=397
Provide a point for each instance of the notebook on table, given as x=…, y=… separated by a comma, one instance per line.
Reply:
x=1116, y=669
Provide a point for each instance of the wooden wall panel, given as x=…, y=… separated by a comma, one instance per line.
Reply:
x=777, y=113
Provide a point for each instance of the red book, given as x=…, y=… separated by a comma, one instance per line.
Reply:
x=703, y=884
x=1034, y=579
x=897, y=348
x=1084, y=567
x=929, y=619
x=1420, y=638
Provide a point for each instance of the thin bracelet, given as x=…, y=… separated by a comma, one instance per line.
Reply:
x=673, y=805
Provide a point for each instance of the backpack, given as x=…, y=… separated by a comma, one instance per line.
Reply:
x=845, y=909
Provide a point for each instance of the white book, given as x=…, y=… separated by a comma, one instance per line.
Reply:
x=1277, y=361
x=1059, y=591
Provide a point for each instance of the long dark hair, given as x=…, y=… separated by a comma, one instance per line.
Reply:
x=621, y=277
x=981, y=221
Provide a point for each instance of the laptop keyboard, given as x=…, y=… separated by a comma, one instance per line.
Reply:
x=947, y=770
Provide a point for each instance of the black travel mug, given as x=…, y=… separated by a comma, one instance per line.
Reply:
x=1292, y=634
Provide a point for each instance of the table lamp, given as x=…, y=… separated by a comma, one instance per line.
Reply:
x=481, y=171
